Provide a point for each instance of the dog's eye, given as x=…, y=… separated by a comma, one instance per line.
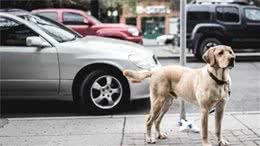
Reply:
x=230, y=52
x=220, y=53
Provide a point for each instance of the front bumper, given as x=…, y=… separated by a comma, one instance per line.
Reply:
x=140, y=90
x=138, y=40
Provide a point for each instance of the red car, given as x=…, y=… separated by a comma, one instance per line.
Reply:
x=88, y=25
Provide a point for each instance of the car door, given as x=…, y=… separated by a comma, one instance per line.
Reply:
x=230, y=17
x=25, y=70
x=197, y=15
x=252, y=27
x=76, y=22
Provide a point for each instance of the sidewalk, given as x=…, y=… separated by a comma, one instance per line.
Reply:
x=241, y=129
x=167, y=51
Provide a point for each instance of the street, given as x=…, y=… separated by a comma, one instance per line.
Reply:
x=245, y=96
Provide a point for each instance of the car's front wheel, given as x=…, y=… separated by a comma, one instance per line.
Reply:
x=204, y=45
x=104, y=91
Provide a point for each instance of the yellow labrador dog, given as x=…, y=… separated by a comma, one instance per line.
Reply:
x=207, y=87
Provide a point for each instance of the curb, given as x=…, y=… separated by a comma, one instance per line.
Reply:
x=120, y=116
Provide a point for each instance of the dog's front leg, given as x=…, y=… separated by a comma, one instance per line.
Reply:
x=204, y=127
x=218, y=121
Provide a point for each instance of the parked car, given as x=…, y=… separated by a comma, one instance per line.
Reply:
x=234, y=23
x=42, y=58
x=85, y=24
x=165, y=39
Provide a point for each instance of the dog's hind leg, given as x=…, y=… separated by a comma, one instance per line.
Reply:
x=156, y=106
x=164, y=109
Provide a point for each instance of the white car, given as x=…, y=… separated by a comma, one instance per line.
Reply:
x=41, y=58
x=165, y=39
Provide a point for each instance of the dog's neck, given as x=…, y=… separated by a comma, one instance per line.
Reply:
x=219, y=75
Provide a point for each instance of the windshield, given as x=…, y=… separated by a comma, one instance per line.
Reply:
x=96, y=21
x=54, y=29
x=253, y=14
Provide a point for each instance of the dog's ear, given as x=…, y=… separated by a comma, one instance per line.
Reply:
x=209, y=56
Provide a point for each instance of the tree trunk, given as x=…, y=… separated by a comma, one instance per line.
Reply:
x=60, y=3
x=94, y=8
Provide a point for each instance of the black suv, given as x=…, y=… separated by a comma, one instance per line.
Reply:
x=236, y=24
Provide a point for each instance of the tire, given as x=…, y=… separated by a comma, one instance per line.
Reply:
x=104, y=91
x=206, y=44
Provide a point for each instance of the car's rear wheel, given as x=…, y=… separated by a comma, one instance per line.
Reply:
x=205, y=45
x=104, y=91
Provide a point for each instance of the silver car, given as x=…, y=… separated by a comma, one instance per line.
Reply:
x=41, y=58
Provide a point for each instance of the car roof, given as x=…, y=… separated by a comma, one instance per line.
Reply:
x=56, y=9
x=240, y=2
x=15, y=11
x=207, y=5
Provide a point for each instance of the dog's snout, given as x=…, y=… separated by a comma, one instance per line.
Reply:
x=232, y=59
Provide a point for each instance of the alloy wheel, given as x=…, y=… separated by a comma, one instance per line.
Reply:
x=106, y=92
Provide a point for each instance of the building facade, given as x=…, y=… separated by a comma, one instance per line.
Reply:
x=153, y=17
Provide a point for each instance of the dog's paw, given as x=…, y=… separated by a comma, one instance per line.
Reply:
x=161, y=136
x=206, y=144
x=150, y=140
x=223, y=143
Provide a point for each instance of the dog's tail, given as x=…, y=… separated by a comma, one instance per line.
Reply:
x=137, y=76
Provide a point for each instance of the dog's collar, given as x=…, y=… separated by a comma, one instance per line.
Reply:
x=218, y=81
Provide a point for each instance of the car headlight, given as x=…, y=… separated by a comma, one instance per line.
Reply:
x=133, y=31
x=144, y=62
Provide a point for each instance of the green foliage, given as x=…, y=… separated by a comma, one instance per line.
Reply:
x=111, y=5
x=132, y=6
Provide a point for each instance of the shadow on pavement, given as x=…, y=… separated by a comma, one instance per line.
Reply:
x=56, y=108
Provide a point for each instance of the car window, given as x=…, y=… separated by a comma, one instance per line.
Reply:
x=51, y=15
x=227, y=14
x=70, y=18
x=57, y=31
x=252, y=14
x=198, y=16
x=13, y=33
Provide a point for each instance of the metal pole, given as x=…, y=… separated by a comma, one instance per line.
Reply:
x=183, y=22
x=0, y=89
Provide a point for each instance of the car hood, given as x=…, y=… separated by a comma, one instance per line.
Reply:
x=110, y=47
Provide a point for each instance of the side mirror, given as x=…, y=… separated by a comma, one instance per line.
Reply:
x=86, y=21
x=36, y=41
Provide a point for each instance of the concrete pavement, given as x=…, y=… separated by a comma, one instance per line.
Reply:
x=242, y=129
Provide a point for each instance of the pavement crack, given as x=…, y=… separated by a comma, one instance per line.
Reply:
x=123, y=132
x=244, y=124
